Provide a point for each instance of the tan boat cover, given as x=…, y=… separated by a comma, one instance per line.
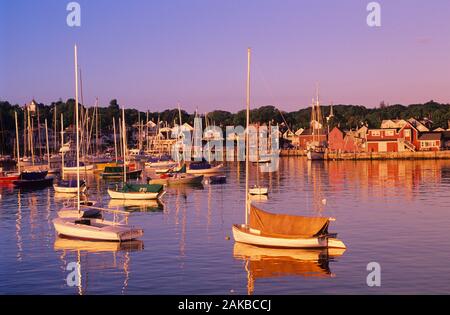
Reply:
x=283, y=225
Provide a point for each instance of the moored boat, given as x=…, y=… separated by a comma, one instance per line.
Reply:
x=203, y=167
x=71, y=167
x=33, y=180
x=116, y=172
x=137, y=191
x=177, y=179
x=96, y=229
x=69, y=186
x=258, y=190
x=285, y=231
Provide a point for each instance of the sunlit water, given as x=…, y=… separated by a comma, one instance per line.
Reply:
x=395, y=213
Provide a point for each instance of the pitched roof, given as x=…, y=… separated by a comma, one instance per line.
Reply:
x=430, y=136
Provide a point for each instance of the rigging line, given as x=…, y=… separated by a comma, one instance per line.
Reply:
x=269, y=90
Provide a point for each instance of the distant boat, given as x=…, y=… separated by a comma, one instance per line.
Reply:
x=8, y=176
x=177, y=179
x=33, y=180
x=137, y=192
x=217, y=179
x=258, y=191
x=71, y=167
x=316, y=149
x=112, y=172
x=203, y=167
x=163, y=161
x=69, y=186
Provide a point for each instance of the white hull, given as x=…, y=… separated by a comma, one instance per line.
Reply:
x=212, y=170
x=258, y=191
x=82, y=168
x=134, y=195
x=69, y=190
x=97, y=230
x=166, y=164
x=179, y=179
x=242, y=235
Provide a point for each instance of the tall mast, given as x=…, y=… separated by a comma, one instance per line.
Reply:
x=77, y=130
x=96, y=126
x=115, y=140
x=17, y=141
x=247, y=208
x=62, y=144
x=46, y=141
x=124, y=134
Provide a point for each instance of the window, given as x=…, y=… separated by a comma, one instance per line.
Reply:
x=375, y=133
x=389, y=133
x=407, y=133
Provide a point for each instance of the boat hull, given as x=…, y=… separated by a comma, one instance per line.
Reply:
x=256, y=191
x=130, y=175
x=183, y=180
x=212, y=170
x=39, y=183
x=69, y=190
x=85, y=168
x=96, y=230
x=134, y=195
x=242, y=234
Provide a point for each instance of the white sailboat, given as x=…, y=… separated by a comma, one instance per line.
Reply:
x=134, y=191
x=279, y=230
x=75, y=224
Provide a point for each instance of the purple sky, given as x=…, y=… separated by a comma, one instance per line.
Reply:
x=151, y=54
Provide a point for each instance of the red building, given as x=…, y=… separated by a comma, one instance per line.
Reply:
x=339, y=141
x=306, y=137
x=401, y=139
x=430, y=141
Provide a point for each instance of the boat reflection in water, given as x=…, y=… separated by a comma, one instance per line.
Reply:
x=95, y=257
x=263, y=262
x=153, y=205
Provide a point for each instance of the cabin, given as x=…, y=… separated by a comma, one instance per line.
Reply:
x=430, y=141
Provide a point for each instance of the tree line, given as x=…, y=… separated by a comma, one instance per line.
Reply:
x=345, y=116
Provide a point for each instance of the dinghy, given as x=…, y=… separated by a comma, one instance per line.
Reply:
x=258, y=190
x=69, y=186
x=177, y=179
x=217, y=179
x=285, y=231
x=137, y=192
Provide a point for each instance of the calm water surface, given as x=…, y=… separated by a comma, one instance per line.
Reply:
x=395, y=213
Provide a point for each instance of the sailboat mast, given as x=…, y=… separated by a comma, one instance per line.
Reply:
x=17, y=141
x=124, y=134
x=62, y=144
x=249, y=51
x=115, y=136
x=48, y=148
x=77, y=130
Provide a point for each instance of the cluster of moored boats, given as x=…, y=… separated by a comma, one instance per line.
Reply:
x=84, y=220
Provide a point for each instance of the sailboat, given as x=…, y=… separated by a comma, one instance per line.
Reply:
x=80, y=224
x=315, y=149
x=134, y=191
x=262, y=228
